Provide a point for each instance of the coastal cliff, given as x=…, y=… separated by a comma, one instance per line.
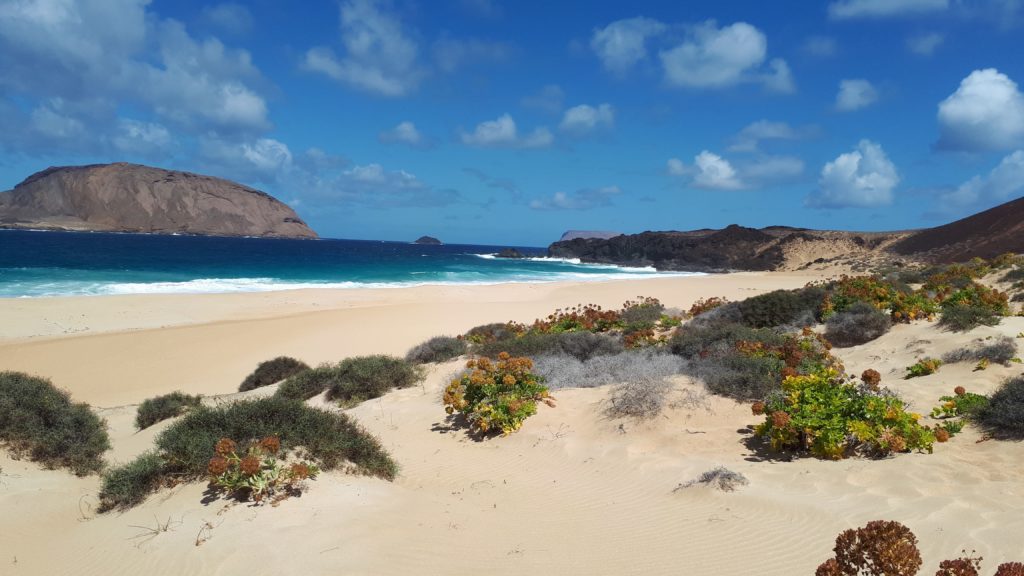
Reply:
x=125, y=197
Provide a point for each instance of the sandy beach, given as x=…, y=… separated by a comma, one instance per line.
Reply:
x=573, y=492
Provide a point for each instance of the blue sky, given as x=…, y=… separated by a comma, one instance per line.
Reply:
x=499, y=122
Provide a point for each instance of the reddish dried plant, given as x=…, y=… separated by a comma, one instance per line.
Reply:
x=757, y=408
x=1010, y=569
x=882, y=548
x=225, y=447
x=872, y=378
x=965, y=566
x=959, y=391
x=250, y=465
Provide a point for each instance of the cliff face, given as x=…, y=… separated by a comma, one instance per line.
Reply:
x=133, y=198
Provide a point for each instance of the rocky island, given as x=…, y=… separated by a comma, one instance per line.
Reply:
x=428, y=240
x=124, y=197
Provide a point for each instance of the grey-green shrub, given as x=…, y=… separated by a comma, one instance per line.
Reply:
x=159, y=408
x=1001, y=351
x=40, y=421
x=437, y=349
x=858, y=324
x=309, y=383
x=366, y=377
x=579, y=345
x=184, y=449
x=1004, y=416
x=271, y=372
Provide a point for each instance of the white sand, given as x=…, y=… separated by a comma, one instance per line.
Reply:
x=573, y=492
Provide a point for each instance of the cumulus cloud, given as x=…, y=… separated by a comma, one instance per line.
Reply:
x=99, y=56
x=985, y=113
x=711, y=171
x=855, y=94
x=863, y=178
x=549, y=99
x=1003, y=183
x=925, y=44
x=623, y=43
x=584, y=199
x=503, y=133
x=143, y=138
x=713, y=57
x=264, y=160
x=585, y=119
x=850, y=9
x=379, y=56
x=404, y=133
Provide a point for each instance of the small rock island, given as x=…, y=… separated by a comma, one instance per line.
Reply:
x=428, y=240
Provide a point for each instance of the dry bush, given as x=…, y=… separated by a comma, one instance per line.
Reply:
x=1004, y=415
x=720, y=478
x=579, y=345
x=564, y=371
x=1001, y=351
x=858, y=324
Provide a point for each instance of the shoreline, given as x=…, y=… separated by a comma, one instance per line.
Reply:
x=121, y=349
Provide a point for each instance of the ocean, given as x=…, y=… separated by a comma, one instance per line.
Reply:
x=37, y=263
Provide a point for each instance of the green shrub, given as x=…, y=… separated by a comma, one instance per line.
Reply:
x=973, y=306
x=41, y=422
x=964, y=318
x=923, y=367
x=496, y=396
x=128, y=485
x=962, y=403
x=781, y=307
x=491, y=332
x=183, y=449
x=437, y=349
x=834, y=418
x=309, y=383
x=366, y=377
x=272, y=372
x=1004, y=415
x=858, y=324
x=644, y=312
x=579, y=345
x=160, y=408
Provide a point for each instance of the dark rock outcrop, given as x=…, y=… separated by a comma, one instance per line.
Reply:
x=429, y=240
x=574, y=234
x=510, y=253
x=732, y=248
x=125, y=197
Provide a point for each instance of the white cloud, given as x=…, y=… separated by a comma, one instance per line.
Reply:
x=379, y=56
x=985, y=113
x=855, y=94
x=450, y=54
x=820, y=46
x=750, y=137
x=101, y=55
x=925, y=44
x=584, y=199
x=145, y=138
x=50, y=120
x=263, y=159
x=1003, y=183
x=713, y=172
x=849, y=9
x=502, y=133
x=230, y=17
x=404, y=133
x=623, y=43
x=862, y=178
x=585, y=119
x=549, y=99
x=713, y=57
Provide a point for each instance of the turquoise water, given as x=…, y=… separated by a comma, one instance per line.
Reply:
x=70, y=263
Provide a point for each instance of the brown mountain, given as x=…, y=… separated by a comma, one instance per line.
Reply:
x=132, y=198
x=985, y=234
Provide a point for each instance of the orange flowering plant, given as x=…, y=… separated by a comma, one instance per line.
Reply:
x=496, y=396
x=256, y=473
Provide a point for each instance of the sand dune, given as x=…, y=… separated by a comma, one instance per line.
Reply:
x=573, y=492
